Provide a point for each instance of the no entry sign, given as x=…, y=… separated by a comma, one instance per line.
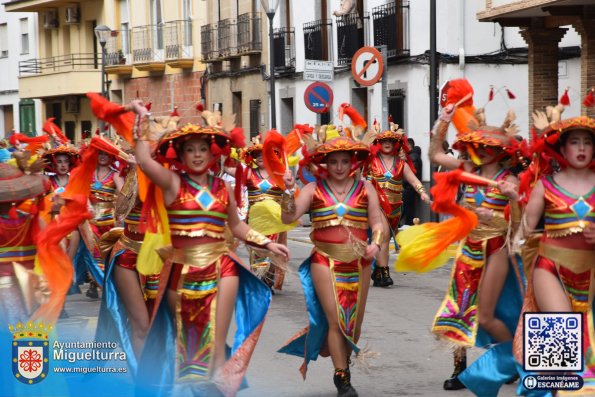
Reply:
x=318, y=97
x=367, y=66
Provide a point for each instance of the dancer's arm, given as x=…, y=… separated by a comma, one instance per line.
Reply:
x=167, y=180
x=436, y=153
x=535, y=207
x=292, y=208
x=242, y=231
x=374, y=222
x=416, y=183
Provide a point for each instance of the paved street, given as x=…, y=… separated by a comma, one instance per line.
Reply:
x=411, y=361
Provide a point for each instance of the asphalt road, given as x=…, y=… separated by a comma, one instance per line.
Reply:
x=396, y=325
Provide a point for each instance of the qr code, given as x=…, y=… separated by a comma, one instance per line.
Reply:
x=553, y=342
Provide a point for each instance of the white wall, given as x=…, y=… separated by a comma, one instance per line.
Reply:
x=458, y=32
x=9, y=83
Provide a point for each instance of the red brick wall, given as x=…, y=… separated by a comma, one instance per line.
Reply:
x=543, y=66
x=158, y=90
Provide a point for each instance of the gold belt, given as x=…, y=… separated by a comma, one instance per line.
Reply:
x=197, y=256
x=497, y=227
x=341, y=252
x=130, y=244
x=576, y=260
x=393, y=197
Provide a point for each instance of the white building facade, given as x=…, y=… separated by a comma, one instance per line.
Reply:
x=18, y=42
x=486, y=54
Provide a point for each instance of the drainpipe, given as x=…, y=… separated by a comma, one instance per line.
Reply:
x=462, y=37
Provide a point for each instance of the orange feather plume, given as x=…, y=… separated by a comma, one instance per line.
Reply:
x=460, y=95
x=274, y=157
x=116, y=115
x=54, y=131
x=353, y=114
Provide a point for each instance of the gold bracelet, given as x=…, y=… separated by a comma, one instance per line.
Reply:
x=288, y=202
x=420, y=188
x=255, y=238
x=377, y=237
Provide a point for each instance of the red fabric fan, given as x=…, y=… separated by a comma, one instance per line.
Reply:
x=33, y=143
x=274, y=157
x=108, y=147
x=54, y=131
x=114, y=114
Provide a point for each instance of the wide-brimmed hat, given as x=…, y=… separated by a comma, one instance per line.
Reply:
x=247, y=154
x=340, y=144
x=16, y=186
x=68, y=150
x=562, y=127
x=176, y=138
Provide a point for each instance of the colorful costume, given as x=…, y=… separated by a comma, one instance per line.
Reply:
x=566, y=215
x=193, y=266
x=339, y=233
x=390, y=181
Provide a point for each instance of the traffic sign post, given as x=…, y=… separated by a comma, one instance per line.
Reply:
x=367, y=66
x=444, y=93
x=318, y=97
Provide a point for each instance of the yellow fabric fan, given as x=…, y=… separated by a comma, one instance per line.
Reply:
x=148, y=261
x=265, y=218
x=422, y=242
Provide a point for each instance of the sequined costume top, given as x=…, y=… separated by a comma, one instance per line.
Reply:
x=488, y=197
x=16, y=243
x=566, y=213
x=390, y=179
x=198, y=211
x=103, y=196
x=260, y=188
x=328, y=211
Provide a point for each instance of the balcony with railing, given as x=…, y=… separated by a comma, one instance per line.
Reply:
x=118, y=59
x=249, y=36
x=68, y=74
x=351, y=36
x=208, y=42
x=284, y=43
x=317, y=42
x=178, y=44
x=148, y=48
x=227, y=38
x=391, y=28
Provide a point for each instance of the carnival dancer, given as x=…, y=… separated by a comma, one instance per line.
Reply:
x=201, y=280
x=478, y=308
x=388, y=169
x=105, y=186
x=336, y=276
x=19, y=229
x=562, y=274
x=261, y=187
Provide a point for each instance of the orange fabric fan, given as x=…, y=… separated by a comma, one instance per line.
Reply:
x=432, y=239
x=104, y=145
x=293, y=140
x=274, y=157
x=460, y=94
x=54, y=262
x=54, y=131
x=114, y=114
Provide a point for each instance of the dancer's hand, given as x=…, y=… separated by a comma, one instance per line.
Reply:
x=289, y=179
x=138, y=107
x=447, y=113
x=371, y=251
x=278, y=249
x=484, y=214
x=508, y=189
x=589, y=233
x=425, y=198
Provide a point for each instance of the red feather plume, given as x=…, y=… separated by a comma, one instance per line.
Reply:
x=274, y=157
x=460, y=94
x=354, y=116
x=237, y=138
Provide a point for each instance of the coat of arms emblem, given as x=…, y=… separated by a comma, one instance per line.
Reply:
x=30, y=351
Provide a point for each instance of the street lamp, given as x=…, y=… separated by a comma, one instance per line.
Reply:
x=270, y=7
x=102, y=33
